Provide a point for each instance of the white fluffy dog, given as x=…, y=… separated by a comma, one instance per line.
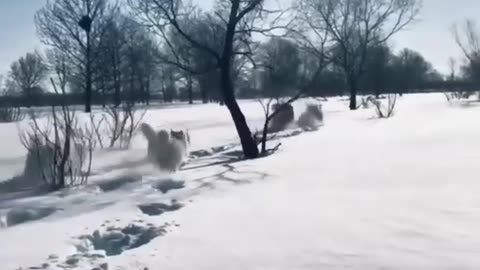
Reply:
x=164, y=150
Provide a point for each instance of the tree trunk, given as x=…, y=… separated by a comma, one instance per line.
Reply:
x=28, y=98
x=265, y=132
x=164, y=94
x=203, y=89
x=117, y=88
x=131, y=82
x=190, y=89
x=147, y=92
x=249, y=146
x=104, y=92
x=88, y=89
x=204, y=96
x=352, y=83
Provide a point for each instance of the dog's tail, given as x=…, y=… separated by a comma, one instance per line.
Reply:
x=148, y=132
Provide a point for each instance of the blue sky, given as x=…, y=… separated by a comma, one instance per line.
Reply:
x=17, y=30
x=430, y=36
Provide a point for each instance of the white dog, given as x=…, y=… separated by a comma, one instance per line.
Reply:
x=166, y=152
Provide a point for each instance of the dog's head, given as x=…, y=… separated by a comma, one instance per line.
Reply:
x=179, y=135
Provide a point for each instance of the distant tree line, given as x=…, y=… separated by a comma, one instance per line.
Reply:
x=282, y=63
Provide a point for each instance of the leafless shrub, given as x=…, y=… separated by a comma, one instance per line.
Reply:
x=381, y=110
x=117, y=125
x=458, y=95
x=60, y=150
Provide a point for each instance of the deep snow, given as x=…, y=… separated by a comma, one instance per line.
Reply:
x=359, y=193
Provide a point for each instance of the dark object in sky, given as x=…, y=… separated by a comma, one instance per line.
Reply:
x=85, y=23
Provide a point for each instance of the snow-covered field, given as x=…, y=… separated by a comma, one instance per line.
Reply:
x=359, y=193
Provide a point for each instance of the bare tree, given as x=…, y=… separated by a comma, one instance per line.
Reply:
x=110, y=56
x=313, y=44
x=187, y=54
x=74, y=27
x=308, y=77
x=125, y=64
x=377, y=77
x=452, y=67
x=452, y=77
x=280, y=62
x=468, y=39
x=197, y=64
x=239, y=19
x=410, y=70
x=27, y=73
x=356, y=25
x=279, y=73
